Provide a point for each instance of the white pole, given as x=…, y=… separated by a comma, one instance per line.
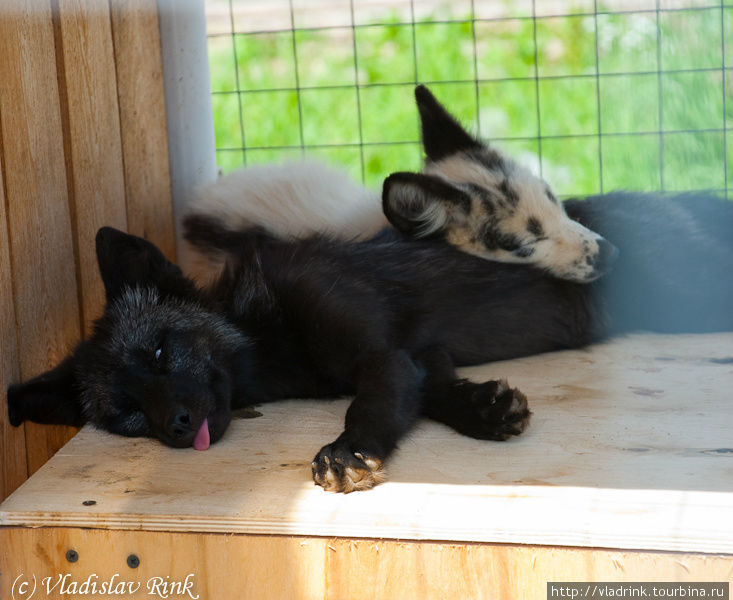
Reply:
x=189, y=116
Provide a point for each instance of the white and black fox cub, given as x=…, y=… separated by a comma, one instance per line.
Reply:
x=386, y=319
x=469, y=195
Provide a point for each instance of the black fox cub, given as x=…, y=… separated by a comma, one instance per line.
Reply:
x=389, y=318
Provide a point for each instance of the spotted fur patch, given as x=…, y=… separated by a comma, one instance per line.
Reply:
x=534, y=226
x=507, y=213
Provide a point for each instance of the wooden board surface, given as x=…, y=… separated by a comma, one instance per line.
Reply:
x=255, y=567
x=93, y=124
x=82, y=144
x=630, y=447
x=39, y=225
x=142, y=119
x=13, y=465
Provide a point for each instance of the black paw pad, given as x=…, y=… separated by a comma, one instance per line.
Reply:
x=502, y=411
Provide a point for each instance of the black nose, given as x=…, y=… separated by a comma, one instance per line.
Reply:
x=180, y=424
x=607, y=255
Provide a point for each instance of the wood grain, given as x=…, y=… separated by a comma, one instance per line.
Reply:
x=424, y=571
x=13, y=466
x=631, y=451
x=142, y=119
x=253, y=567
x=82, y=112
x=92, y=120
x=241, y=567
x=40, y=239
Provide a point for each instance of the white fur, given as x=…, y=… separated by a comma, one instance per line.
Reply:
x=565, y=244
x=290, y=200
x=297, y=199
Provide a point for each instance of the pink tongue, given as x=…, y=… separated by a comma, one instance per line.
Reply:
x=202, y=440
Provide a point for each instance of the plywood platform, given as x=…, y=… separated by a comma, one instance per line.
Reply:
x=630, y=448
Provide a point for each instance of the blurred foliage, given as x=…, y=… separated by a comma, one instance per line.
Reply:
x=374, y=130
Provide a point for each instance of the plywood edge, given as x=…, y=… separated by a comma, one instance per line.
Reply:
x=673, y=526
x=252, y=566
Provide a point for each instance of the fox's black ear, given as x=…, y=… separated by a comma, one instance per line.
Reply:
x=422, y=205
x=128, y=260
x=442, y=135
x=52, y=398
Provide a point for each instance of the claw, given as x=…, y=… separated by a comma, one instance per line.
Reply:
x=346, y=471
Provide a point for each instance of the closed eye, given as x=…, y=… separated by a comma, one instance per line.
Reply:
x=509, y=243
x=131, y=424
x=523, y=252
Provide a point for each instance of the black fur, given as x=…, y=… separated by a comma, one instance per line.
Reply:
x=386, y=319
x=674, y=272
x=442, y=135
x=407, y=196
x=50, y=398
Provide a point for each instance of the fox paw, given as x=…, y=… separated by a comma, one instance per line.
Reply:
x=501, y=411
x=337, y=469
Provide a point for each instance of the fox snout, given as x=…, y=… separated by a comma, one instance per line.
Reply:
x=179, y=427
x=604, y=259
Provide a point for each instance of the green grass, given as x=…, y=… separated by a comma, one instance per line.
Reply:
x=631, y=153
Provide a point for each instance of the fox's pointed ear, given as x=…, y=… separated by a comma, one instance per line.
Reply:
x=52, y=398
x=442, y=135
x=422, y=205
x=129, y=261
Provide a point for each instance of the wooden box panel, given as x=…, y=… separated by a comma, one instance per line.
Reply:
x=292, y=568
x=82, y=144
x=625, y=474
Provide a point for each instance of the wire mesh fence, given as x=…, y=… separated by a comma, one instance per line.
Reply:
x=595, y=96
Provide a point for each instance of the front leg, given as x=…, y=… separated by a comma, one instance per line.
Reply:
x=488, y=411
x=386, y=406
x=485, y=411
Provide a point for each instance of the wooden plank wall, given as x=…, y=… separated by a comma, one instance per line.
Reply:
x=82, y=144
